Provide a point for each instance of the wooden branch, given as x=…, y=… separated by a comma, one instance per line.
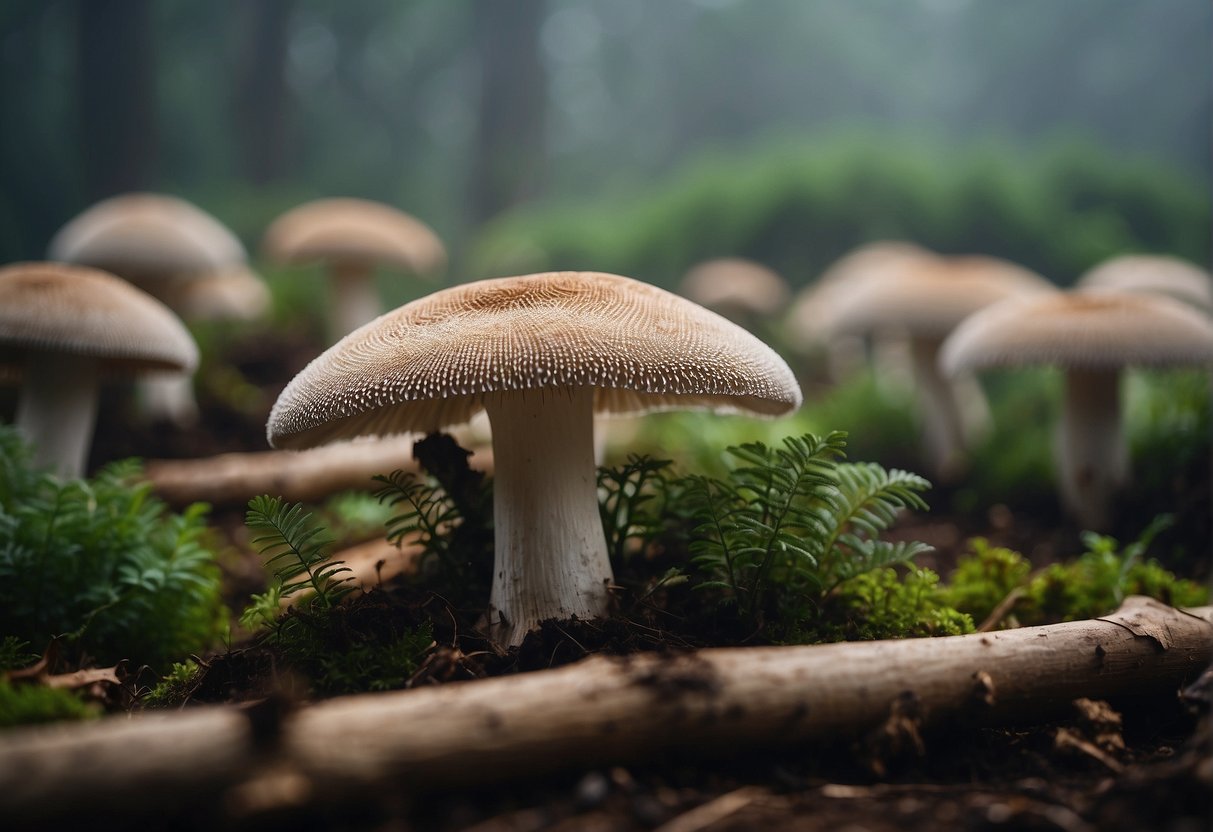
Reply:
x=233, y=479
x=601, y=710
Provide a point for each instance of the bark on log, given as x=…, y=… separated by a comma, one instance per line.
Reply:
x=233, y=479
x=597, y=711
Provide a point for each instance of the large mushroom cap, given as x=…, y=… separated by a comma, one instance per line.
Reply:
x=928, y=296
x=52, y=307
x=735, y=283
x=430, y=363
x=354, y=230
x=1095, y=331
x=147, y=237
x=1152, y=273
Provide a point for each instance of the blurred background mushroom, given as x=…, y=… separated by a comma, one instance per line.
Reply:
x=747, y=293
x=66, y=328
x=922, y=300
x=1091, y=338
x=173, y=250
x=1153, y=274
x=352, y=237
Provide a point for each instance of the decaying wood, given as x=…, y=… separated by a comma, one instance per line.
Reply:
x=601, y=710
x=371, y=564
x=233, y=479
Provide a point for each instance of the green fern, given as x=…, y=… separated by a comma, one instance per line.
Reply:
x=624, y=494
x=102, y=563
x=762, y=527
x=294, y=549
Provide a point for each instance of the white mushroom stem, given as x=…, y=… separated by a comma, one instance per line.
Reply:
x=169, y=397
x=355, y=300
x=551, y=557
x=943, y=425
x=1090, y=447
x=57, y=410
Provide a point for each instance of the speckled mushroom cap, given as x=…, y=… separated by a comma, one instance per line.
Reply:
x=431, y=362
x=53, y=307
x=734, y=282
x=147, y=238
x=1152, y=273
x=929, y=296
x=1095, y=331
x=354, y=230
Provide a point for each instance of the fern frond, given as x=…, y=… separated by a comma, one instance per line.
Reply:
x=295, y=550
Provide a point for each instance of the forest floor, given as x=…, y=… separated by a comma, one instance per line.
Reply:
x=1155, y=774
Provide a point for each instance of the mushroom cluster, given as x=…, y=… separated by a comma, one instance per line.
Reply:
x=922, y=297
x=541, y=354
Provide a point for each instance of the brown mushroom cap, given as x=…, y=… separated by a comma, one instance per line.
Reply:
x=1095, y=331
x=1156, y=274
x=928, y=296
x=235, y=293
x=430, y=363
x=354, y=230
x=147, y=237
x=735, y=283
x=54, y=307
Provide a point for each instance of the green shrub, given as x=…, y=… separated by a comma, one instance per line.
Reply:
x=102, y=564
x=798, y=206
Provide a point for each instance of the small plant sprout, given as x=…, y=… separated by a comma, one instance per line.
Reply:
x=541, y=353
x=351, y=237
x=923, y=299
x=63, y=329
x=1091, y=337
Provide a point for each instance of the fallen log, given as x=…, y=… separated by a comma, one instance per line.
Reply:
x=233, y=479
x=601, y=710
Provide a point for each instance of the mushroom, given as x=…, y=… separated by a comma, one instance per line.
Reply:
x=166, y=246
x=151, y=240
x=808, y=319
x=743, y=291
x=1090, y=337
x=352, y=236
x=923, y=299
x=64, y=327
x=541, y=354
x=1153, y=273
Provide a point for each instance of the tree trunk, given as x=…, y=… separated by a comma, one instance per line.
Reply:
x=599, y=711
x=513, y=95
x=261, y=118
x=115, y=84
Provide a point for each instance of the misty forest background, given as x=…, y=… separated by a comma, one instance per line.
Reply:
x=629, y=135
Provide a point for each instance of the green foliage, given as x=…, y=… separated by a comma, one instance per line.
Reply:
x=884, y=603
x=354, y=516
x=1098, y=580
x=798, y=206
x=294, y=549
x=984, y=578
x=32, y=704
x=1093, y=584
x=15, y=653
x=337, y=649
x=776, y=536
x=173, y=686
x=624, y=494
x=102, y=563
